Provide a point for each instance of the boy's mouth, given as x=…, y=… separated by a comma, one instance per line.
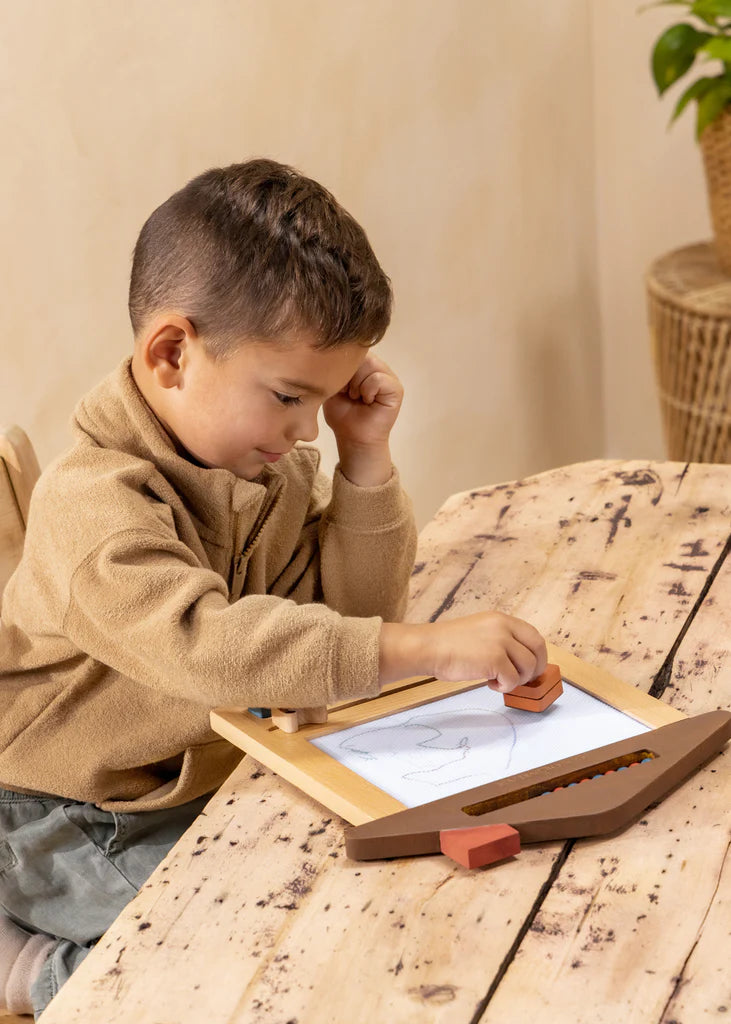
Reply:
x=270, y=456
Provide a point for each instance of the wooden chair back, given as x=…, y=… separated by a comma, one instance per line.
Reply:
x=19, y=471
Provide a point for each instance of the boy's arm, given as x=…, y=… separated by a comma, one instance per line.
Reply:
x=142, y=604
x=506, y=651
x=367, y=535
x=367, y=539
x=490, y=645
x=357, y=549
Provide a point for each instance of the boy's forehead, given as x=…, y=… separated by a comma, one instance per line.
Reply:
x=302, y=385
x=301, y=364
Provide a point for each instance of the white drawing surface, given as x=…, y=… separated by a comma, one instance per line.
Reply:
x=470, y=739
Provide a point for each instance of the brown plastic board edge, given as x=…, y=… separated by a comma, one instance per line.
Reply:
x=593, y=807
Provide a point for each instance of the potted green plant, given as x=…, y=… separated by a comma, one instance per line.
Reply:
x=679, y=49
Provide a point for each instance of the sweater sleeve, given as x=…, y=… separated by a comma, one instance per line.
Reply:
x=367, y=548
x=142, y=604
x=358, y=546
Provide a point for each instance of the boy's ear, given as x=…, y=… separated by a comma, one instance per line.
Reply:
x=164, y=345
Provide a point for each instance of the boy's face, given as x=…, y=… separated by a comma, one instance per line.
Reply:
x=248, y=410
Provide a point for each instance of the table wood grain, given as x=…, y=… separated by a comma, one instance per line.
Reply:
x=257, y=916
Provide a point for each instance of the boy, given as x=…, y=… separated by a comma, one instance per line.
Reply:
x=186, y=553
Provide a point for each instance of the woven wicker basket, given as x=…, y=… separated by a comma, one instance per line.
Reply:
x=690, y=323
x=715, y=143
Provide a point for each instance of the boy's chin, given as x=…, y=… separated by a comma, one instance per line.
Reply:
x=249, y=468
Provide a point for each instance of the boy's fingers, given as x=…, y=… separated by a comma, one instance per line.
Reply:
x=525, y=658
x=372, y=366
x=498, y=686
x=381, y=387
x=530, y=638
x=355, y=386
x=369, y=365
x=505, y=675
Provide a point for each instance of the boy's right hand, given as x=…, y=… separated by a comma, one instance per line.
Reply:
x=506, y=651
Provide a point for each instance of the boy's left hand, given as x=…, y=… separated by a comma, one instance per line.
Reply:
x=361, y=417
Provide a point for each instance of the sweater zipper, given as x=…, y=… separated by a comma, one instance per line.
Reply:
x=264, y=515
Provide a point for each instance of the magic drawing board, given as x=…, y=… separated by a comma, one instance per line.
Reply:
x=427, y=757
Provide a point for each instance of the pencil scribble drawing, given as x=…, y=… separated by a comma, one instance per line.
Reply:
x=440, y=743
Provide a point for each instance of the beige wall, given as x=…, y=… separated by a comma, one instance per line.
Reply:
x=490, y=151
x=650, y=198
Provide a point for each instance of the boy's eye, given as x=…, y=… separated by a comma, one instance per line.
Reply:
x=287, y=399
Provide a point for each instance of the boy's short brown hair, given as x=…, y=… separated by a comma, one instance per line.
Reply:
x=257, y=250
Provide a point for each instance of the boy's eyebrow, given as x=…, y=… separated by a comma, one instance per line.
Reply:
x=309, y=388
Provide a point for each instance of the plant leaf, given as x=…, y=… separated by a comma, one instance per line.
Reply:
x=696, y=92
x=710, y=10
x=718, y=48
x=711, y=105
x=675, y=52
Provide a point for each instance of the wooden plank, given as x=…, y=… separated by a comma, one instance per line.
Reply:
x=702, y=676
x=281, y=926
x=562, y=550
x=651, y=905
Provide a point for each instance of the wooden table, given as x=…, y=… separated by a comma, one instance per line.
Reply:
x=257, y=916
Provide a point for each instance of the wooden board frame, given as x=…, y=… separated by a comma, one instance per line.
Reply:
x=293, y=757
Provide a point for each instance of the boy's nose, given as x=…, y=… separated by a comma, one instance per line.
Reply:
x=307, y=429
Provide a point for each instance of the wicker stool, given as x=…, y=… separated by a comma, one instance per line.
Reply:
x=690, y=324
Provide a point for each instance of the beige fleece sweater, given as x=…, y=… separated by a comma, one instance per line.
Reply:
x=152, y=590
